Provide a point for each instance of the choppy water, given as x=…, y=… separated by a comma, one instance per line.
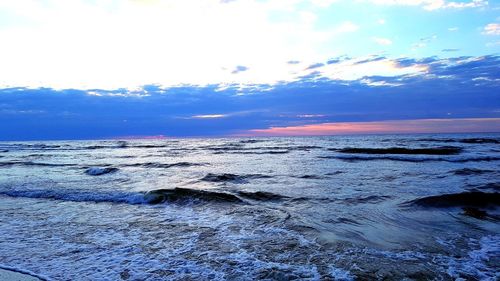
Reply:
x=256, y=208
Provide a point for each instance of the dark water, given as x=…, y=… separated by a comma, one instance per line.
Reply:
x=408, y=207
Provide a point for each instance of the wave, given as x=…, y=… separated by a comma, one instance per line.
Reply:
x=470, y=171
x=152, y=197
x=372, y=199
x=309, y=177
x=251, y=141
x=491, y=186
x=467, y=140
x=226, y=177
x=254, y=152
x=78, y=195
x=177, y=194
x=30, y=163
x=163, y=165
x=412, y=159
x=97, y=171
x=262, y=196
x=463, y=199
x=443, y=150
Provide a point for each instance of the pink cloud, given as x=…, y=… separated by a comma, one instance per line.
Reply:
x=468, y=125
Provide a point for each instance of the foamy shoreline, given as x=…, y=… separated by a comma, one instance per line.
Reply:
x=17, y=275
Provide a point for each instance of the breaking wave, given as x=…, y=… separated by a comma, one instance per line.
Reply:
x=150, y=197
x=412, y=159
x=444, y=150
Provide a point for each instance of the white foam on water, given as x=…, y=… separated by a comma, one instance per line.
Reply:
x=341, y=274
x=476, y=263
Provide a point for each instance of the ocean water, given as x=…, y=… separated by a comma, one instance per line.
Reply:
x=312, y=208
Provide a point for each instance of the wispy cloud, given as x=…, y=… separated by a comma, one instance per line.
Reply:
x=434, y=4
x=209, y=116
x=492, y=29
x=239, y=68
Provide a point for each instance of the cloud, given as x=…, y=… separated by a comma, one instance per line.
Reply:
x=315, y=65
x=492, y=29
x=352, y=90
x=239, y=68
x=450, y=50
x=209, y=116
x=453, y=29
x=382, y=41
x=433, y=4
x=422, y=43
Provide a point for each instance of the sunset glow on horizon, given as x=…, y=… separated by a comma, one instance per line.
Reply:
x=385, y=127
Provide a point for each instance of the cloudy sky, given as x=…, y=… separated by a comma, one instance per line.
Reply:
x=109, y=69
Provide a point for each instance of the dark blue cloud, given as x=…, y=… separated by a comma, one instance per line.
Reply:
x=315, y=65
x=453, y=88
x=239, y=68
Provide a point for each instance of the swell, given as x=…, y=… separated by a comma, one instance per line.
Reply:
x=30, y=163
x=143, y=165
x=412, y=159
x=466, y=140
x=443, y=150
x=471, y=171
x=163, y=165
x=227, y=177
x=463, y=199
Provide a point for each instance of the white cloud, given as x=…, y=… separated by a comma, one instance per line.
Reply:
x=433, y=4
x=354, y=69
x=114, y=44
x=453, y=29
x=382, y=41
x=381, y=21
x=209, y=116
x=492, y=29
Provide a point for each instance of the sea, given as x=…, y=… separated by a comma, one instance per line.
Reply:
x=371, y=207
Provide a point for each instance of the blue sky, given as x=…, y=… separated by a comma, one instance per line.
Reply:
x=105, y=69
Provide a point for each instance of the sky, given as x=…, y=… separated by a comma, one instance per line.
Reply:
x=150, y=68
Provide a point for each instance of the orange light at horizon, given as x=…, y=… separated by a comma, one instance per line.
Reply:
x=466, y=125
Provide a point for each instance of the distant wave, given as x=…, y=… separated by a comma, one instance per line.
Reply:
x=262, y=196
x=162, y=165
x=467, y=140
x=30, y=163
x=238, y=148
x=226, y=177
x=471, y=171
x=97, y=171
x=372, y=199
x=412, y=159
x=443, y=150
x=254, y=152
